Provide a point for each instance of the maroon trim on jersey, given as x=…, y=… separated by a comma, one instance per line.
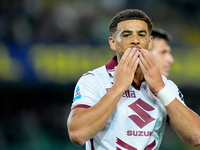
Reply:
x=111, y=64
x=92, y=144
x=81, y=106
x=88, y=74
x=124, y=145
x=135, y=86
x=151, y=146
x=153, y=92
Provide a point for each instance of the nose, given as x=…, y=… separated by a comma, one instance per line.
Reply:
x=135, y=40
x=170, y=59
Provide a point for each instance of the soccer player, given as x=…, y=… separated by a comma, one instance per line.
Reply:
x=124, y=104
x=161, y=51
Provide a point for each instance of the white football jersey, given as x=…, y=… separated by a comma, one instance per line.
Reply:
x=137, y=122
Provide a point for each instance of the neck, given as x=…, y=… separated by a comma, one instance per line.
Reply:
x=138, y=77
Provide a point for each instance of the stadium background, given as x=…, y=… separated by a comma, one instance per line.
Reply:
x=46, y=45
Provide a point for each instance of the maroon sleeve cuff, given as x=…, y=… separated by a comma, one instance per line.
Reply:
x=81, y=106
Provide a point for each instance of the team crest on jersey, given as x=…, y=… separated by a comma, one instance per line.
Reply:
x=77, y=94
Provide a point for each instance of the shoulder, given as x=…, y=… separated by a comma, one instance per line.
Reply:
x=94, y=78
x=94, y=74
x=168, y=82
x=89, y=88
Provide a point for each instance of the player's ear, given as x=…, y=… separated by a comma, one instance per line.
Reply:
x=150, y=42
x=111, y=41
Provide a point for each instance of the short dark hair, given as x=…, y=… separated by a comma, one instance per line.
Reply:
x=161, y=34
x=129, y=14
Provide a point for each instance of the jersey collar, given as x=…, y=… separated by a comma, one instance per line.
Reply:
x=110, y=66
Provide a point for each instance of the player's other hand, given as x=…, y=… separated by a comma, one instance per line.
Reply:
x=151, y=71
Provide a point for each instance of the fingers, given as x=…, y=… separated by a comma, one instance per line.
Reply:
x=150, y=70
x=126, y=68
x=129, y=59
x=134, y=61
x=128, y=56
x=124, y=57
x=146, y=62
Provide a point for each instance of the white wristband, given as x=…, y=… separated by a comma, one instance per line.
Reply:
x=165, y=96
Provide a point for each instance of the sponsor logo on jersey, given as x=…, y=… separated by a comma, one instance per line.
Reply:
x=141, y=118
x=127, y=94
x=139, y=133
x=77, y=94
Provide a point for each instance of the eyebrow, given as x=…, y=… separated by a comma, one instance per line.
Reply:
x=142, y=31
x=128, y=31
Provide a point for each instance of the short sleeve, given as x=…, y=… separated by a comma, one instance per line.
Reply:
x=87, y=91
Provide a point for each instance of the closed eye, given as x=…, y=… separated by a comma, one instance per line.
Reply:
x=126, y=35
x=142, y=35
x=163, y=52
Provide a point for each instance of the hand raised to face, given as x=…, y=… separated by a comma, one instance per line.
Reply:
x=150, y=70
x=126, y=68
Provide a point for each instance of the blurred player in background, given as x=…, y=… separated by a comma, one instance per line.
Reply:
x=161, y=51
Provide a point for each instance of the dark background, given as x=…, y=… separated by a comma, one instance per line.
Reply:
x=46, y=45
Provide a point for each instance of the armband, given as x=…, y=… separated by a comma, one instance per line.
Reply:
x=165, y=96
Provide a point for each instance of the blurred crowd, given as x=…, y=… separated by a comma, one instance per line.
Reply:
x=77, y=20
